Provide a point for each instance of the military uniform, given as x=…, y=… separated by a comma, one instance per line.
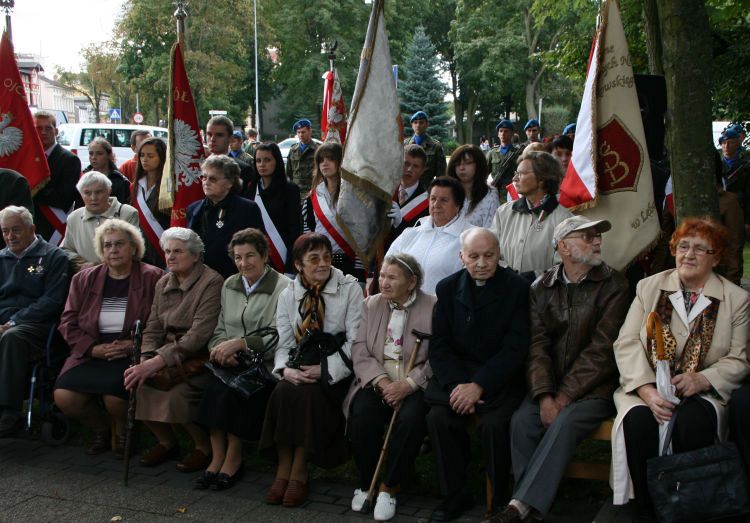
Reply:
x=435, y=158
x=300, y=166
x=737, y=180
x=502, y=166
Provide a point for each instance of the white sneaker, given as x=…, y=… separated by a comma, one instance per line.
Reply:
x=385, y=507
x=359, y=499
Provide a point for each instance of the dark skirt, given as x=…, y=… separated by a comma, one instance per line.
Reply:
x=224, y=409
x=96, y=376
x=303, y=416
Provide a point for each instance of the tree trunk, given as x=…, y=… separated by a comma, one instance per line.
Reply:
x=531, y=99
x=686, y=51
x=458, y=111
x=471, y=108
x=653, y=37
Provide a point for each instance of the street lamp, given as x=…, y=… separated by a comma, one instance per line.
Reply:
x=257, y=102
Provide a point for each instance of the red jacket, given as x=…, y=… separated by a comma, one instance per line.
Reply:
x=79, y=323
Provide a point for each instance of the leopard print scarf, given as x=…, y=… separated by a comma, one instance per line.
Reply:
x=698, y=342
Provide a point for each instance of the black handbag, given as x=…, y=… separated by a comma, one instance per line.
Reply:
x=250, y=375
x=699, y=485
x=313, y=349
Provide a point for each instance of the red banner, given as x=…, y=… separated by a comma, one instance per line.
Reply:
x=20, y=146
x=185, y=154
x=333, y=119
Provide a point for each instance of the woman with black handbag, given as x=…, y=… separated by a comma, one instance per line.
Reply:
x=317, y=319
x=705, y=329
x=248, y=304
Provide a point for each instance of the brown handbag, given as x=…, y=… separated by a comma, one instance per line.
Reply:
x=168, y=377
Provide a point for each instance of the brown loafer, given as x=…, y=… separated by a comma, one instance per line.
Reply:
x=101, y=442
x=275, y=494
x=296, y=493
x=157, y=455
x=195, y=461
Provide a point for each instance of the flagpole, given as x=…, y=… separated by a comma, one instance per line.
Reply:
x=7, y=6
x=181, y=14
x=257, y=102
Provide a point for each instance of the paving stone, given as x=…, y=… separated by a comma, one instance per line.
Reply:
x=10, y=498
x=325, y=507
x=322, y=498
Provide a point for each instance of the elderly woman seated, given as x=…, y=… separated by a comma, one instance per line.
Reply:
x=95, y=189
x=248, y=303
x=434, y=240
x=183, y=318
x=383, y=346
x=317, y=319
x=103, y=304
x=705, y=327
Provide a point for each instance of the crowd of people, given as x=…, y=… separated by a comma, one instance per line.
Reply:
x=491, y=308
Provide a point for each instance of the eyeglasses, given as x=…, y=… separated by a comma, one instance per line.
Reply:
x=210, y=179
x=587, y=236
x=315, y=259
x=698, y=249
x=521, y=173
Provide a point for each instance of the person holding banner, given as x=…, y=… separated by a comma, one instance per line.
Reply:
x=152, y=155
x=705, y=319
x=319, y=209
x=222, y=212
x=469, y=166
x=278, y=199
x=56, y=200
x=525, y=227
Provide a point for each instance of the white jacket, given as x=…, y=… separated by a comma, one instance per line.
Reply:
x=435, y=248
x=343, y=300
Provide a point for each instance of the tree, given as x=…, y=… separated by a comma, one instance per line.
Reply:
x=98, y=75
x=421, y=89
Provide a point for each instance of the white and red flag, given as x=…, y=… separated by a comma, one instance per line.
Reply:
x=373, y=152
x=609, y=175
x=20, y=146
x=181, y=181
x=333, y=119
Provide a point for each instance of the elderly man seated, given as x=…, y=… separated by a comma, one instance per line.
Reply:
x=34, y=278
x=477, y=354
x=576, y=310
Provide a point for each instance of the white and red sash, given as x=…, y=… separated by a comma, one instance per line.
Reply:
x=149, y=224
x=276, y=244
x=325, y=220
x=415, y=207
x=58, y=219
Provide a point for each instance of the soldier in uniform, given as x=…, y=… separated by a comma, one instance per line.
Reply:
x=502, y=158
x=532, y=130
x=301, y=159
x=235, y=148
x=433, y=148
x=570, y=131
x=736, y=171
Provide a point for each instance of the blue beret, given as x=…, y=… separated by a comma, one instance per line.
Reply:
x=419, y=115
x=570, y=128
x=504, y=124
x=301, y=123
x=238, y=134
x=531, y=123
x=738, y=128
x=728, y=133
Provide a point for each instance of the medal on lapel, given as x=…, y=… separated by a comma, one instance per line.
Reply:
x=538, y=225
x=220, y=221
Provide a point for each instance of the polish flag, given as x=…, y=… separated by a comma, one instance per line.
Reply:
x=333, y=119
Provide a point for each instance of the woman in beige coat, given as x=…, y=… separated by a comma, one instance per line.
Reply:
x=380, y=354
x=182, y=320
x=705, y=319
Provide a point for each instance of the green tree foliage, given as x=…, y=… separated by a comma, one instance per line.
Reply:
x=421, y=89
x=730, y=23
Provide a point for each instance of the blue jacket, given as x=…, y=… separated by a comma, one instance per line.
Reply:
x=239, y=213
x=33, y=288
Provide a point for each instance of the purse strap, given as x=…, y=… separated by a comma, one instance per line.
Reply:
x=262, y=333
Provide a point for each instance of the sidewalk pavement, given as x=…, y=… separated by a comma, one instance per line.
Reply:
x=42, y=483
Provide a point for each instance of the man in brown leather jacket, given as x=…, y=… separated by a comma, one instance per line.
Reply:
x=576, y=310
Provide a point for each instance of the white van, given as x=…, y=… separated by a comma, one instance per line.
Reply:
x=76, y=137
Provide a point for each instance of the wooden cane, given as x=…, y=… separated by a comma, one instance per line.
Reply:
x=421, y=336
x=135, y=359
x=655, y=333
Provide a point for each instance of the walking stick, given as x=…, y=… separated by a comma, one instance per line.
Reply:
x=134, y=360
x=421, y=336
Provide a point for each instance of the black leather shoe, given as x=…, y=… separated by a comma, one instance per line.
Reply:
x=205, y=480
x=453, y=506
x=225, y=481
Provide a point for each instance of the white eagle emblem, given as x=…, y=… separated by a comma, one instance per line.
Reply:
x=10, y=137
x=186, y=146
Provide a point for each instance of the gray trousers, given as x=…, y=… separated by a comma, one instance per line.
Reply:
x=19, y=347
x=540, y=456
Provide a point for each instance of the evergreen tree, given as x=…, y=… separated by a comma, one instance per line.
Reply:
x=421, y=88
